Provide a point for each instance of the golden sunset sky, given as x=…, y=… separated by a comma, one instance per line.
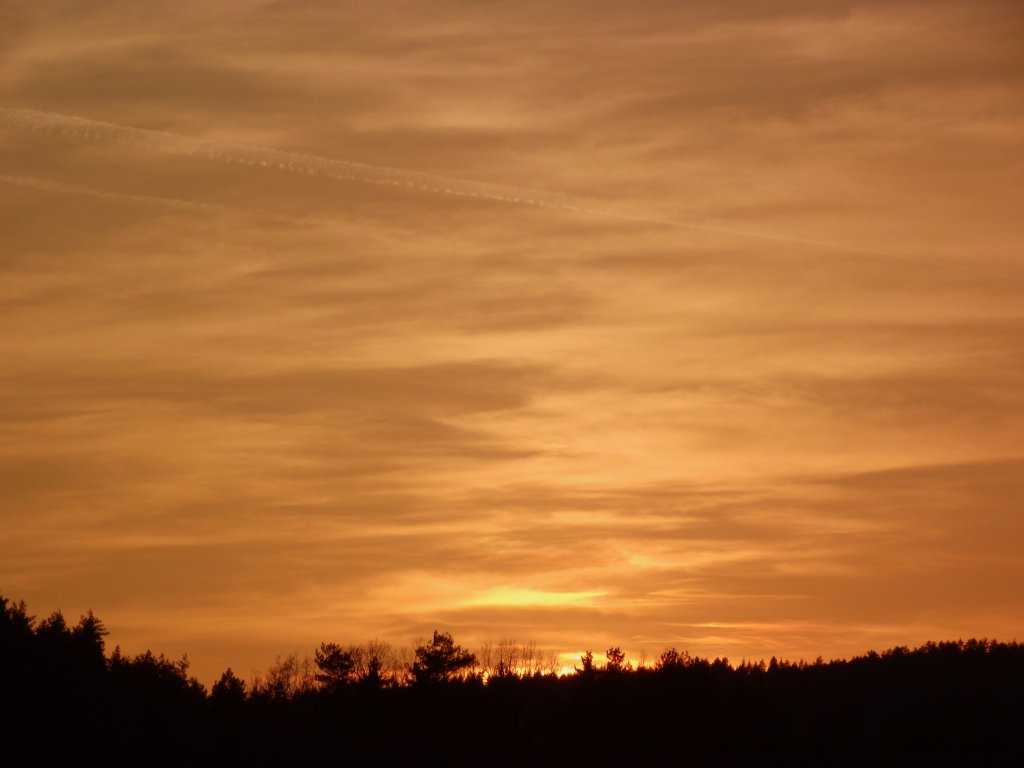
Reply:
x=652, y=324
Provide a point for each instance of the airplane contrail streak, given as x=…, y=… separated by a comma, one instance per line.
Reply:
x=302, y=163
x=297, y=162
x=46, y=185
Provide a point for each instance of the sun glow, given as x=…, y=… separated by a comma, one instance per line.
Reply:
x=512, y=596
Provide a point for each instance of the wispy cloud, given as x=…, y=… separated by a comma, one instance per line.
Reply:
x=676, y=324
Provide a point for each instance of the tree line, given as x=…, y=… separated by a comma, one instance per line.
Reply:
x=63, y=697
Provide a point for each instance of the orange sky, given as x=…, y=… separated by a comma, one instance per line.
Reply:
x=652, y=323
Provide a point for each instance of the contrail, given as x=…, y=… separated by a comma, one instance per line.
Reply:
x=297, y=162
x=302, y=163
x=46, y=185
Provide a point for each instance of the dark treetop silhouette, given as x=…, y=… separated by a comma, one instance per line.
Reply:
x=62, y=698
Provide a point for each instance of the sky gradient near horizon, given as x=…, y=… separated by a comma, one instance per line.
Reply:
x=588, y=323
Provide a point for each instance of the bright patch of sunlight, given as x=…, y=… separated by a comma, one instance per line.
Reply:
x=518, y=597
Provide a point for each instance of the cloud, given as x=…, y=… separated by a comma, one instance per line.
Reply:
x=247, y=408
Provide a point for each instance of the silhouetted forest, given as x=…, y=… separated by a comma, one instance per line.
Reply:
x=63, y=698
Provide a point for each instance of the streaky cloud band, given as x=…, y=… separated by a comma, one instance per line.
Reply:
x=177, y=203
x=302, y=163
x=46, y=185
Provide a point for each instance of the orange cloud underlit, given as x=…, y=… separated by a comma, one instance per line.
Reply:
x=656, y=325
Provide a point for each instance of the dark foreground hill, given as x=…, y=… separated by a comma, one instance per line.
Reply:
x=64, y=700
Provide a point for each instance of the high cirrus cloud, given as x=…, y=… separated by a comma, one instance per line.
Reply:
x=676, y=324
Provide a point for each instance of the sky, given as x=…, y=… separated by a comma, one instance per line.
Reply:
x=644, y=324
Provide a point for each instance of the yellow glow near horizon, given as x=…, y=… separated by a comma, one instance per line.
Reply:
x=511, y=596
